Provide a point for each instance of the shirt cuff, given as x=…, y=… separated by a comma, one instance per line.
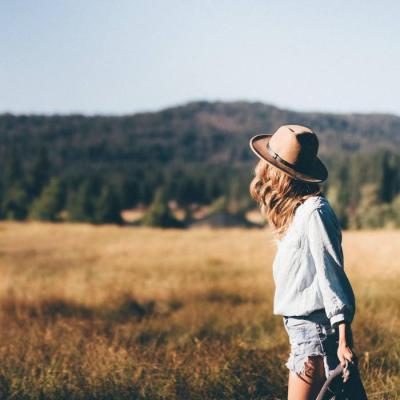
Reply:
x=337, y=318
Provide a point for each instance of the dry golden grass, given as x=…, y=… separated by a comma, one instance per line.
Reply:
x=133, y=313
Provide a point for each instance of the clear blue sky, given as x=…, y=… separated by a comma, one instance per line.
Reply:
x=114, y=57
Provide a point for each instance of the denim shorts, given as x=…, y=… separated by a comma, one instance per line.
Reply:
x=311, y=335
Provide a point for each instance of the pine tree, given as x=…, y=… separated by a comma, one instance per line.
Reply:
x=159, y=213
x=80, y=207
x=15, y=199
x=107, y=208
x=13, y=171
x=387, y=189
x=15, y=202
x=47, y=206
x=40, y=174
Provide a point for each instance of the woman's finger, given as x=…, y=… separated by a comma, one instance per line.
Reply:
x=349, y=356
x=342, y=360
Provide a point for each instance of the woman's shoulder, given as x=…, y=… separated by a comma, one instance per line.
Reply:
x=317, y=204
x=313, y=203
x=319, y=208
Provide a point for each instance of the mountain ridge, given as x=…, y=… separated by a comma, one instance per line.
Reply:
x=193, y=132
x=190, y=102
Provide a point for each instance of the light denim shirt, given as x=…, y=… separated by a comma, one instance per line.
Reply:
x=308, y=267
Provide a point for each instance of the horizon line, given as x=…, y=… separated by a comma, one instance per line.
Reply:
x=187, y=103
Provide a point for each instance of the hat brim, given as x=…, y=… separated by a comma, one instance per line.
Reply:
x=315, y=174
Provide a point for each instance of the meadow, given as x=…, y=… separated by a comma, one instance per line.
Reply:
x=107, y=312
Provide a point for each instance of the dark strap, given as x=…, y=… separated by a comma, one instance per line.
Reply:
x=302, y=168
x=276, y=156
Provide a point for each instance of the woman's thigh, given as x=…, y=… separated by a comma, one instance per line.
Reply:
x=307, y=385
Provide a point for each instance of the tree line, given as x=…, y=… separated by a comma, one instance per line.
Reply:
x=363, y=189
x=33, y=192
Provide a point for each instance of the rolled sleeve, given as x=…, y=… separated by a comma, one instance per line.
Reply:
x=326, y=250
x=336, y=319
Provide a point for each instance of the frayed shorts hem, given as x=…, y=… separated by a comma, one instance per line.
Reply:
x=298, y=363
x=309, y=337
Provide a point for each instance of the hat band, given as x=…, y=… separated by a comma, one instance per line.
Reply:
x=276, y=156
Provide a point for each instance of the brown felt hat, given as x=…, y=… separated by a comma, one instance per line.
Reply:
x=293, y=149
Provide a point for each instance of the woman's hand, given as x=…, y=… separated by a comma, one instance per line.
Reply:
x=345, y=355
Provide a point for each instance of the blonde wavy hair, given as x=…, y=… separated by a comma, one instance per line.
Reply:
x=278, y=195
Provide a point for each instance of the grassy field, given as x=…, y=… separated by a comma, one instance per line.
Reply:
x=132, y=313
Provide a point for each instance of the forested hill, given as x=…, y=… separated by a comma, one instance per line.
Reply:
x=196, y=132
x=196, y=153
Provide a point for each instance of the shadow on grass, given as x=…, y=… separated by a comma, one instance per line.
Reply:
x=126, y=308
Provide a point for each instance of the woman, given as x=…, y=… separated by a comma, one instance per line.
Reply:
x=312, y=292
